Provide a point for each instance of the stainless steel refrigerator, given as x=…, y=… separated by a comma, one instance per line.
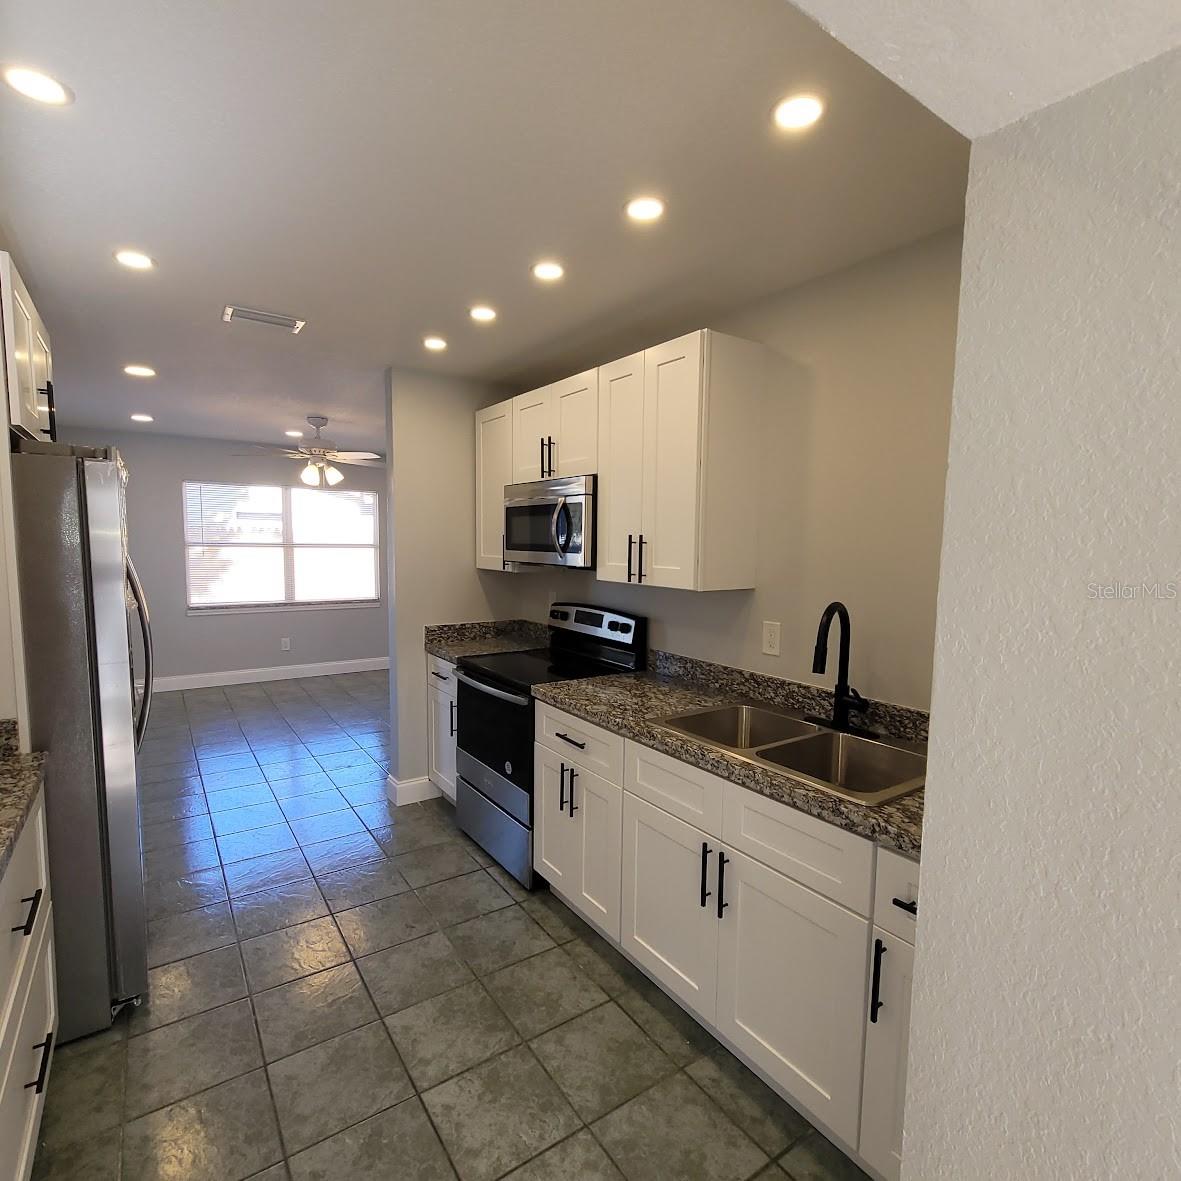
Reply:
x=81, y=604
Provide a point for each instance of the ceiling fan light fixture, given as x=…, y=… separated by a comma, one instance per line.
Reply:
x=311, y=475
x=332, y=476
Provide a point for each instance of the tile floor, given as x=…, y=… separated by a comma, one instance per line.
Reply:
x=342, y=990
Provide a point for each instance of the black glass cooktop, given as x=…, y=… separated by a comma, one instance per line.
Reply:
x=522, y=670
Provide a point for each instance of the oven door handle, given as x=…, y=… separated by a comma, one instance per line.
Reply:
x=502, y=694
x=559, y=508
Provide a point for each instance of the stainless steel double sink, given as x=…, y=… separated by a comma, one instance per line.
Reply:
x=847, y=765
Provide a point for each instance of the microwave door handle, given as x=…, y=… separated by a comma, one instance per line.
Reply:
x=502, y=694
x=553, y=526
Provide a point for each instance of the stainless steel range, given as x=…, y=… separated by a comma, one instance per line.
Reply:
x=494, y=744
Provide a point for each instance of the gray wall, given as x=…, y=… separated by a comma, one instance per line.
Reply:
x=1046, y=1014
x=848, y=485
x=187, y=644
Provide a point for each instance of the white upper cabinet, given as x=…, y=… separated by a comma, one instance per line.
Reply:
x=494, y=469
x=556, y=429
x=675, y=469
x=533, y=435
x=28, y=358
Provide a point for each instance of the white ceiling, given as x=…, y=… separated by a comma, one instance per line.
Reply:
x=377, y=166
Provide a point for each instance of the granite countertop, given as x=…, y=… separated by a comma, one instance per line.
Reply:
x=623, y=704
x=450, y=641
x=20, y=781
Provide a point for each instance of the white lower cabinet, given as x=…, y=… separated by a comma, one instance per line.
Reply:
x=441, y=730
x=886, y=1039
x=669, y=922
x=791, y=988
x=577, y=837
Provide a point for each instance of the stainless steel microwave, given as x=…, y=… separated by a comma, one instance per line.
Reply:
x=551, y=522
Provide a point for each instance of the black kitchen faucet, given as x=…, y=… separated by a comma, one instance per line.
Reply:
x=846, y=699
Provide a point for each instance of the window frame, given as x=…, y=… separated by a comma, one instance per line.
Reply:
x=288, y=546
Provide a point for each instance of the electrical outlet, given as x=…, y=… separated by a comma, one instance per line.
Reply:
x=770, y=638
x=285, y=644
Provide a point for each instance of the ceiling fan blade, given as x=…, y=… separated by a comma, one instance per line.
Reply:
x=258, y=449
x=357, y=462
x=353, y=456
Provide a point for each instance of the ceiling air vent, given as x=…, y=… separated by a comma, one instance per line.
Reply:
x=235, y=313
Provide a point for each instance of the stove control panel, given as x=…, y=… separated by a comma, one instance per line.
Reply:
x=597, y=622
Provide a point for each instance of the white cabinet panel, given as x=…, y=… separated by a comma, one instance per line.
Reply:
x=672, y=460
x=621, y=467
x=598, y=809
x=791, y=989
x=440, y=673
x=533, y=431
x=591, y=747
x=886, y=1042
x=556, y=840
x=441, y=707
x=836, y=863
x=896, y=894
x=24, y=894
x=687, y=792
x=575, y=414
x=664, y=925
x=494, y=469
x=28, y=358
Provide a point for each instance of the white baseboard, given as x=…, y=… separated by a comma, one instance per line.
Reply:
x=410, y=791
x=281, y=672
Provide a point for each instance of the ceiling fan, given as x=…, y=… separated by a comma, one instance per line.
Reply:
x=321, y=454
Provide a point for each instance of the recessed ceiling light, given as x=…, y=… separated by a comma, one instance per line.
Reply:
x=142, y=418
x=39, y=87
x=548, y=271
x=436, y=343
x=798, y=111
x=482, y=313
x=135, y=259
x=294, y=434
x=139, y=371
x=645, y=208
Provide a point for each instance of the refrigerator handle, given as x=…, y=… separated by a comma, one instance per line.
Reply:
x=145, y=624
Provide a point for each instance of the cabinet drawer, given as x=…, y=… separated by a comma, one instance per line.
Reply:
x=898, y=878
x=24, y=892
x=825, y=858
x=440, y=674
x=581, y=743
x=24, y=1054
x=684, y=791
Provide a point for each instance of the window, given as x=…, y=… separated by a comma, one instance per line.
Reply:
x=254, y=545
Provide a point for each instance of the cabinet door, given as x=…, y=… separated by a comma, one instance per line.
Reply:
x=533, y=428
x=575, y=406
x=791, y=989
x=494, y=469
x=556, y=844
x=42, y=376
x=672, y=458
x=621, y=466
x=886, y=1042
x=441, y=740
x=663, y=924
x=21, y=328
x=598, y=811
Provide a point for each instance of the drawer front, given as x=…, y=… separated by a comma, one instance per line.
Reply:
x=24, y=1056
x=440, y=674
x=897, y=879
x=578, y=742
x=686, y=792
x=825, y=858
x=27, y=873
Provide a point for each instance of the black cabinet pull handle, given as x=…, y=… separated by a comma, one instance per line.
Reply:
x=46, y=1048
x=550, y=454
x=722, y=903
x=630, y=542
x=26, y=928
x=567, y=738
x=705, y=852
x=875, y=1003
x=451, y=718
x=562, y=789
x=909, y=907
x=573, y=805
x=640, y=563
x=541, y=462
x=441, y=676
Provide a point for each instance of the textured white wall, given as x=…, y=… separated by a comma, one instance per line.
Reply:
x=980, y=64
x=1047, y=1008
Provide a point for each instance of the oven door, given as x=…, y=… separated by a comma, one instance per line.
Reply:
x=496, y=729
x=549, y=531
